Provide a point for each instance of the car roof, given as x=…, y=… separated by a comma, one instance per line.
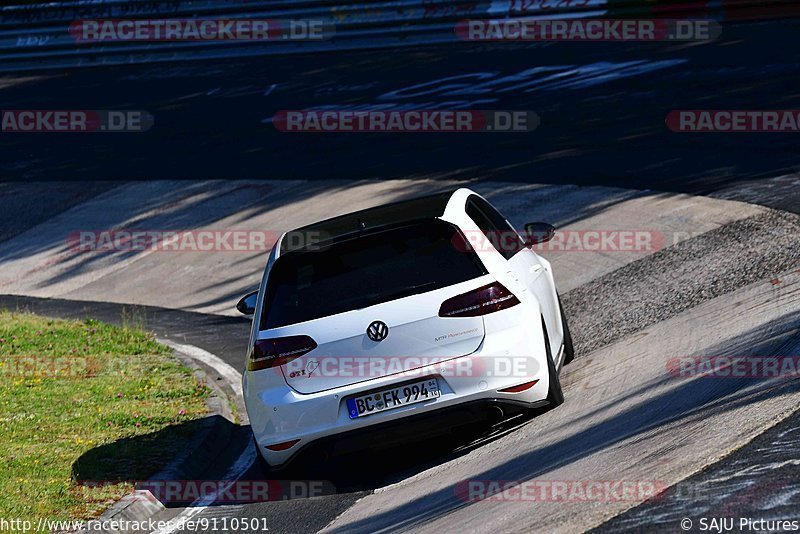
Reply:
x=404, y=211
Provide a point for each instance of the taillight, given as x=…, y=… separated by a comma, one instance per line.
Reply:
x=487, y=299
x=274, y=352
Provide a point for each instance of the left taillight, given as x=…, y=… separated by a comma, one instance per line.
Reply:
x=278, y=351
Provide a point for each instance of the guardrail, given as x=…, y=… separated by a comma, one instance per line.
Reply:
x=36, y=36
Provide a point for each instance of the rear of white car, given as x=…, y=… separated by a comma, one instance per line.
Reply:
x=396, y=322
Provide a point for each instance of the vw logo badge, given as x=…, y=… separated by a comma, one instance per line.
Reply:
x=377, y=331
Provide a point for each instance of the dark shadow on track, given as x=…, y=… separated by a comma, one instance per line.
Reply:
x=373, y=467
x=137, y=458
x=691, y=401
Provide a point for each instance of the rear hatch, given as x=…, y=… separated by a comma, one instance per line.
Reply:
x=393, y=279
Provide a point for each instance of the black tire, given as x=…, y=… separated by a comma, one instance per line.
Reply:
x=569, y=348
x=555, y=397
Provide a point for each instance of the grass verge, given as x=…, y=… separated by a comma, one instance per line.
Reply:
x=86, y=409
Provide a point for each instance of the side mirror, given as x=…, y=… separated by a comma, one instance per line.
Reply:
x=247, y=304
x=539, y=232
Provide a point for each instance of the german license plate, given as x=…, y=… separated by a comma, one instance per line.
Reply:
x=387, y=399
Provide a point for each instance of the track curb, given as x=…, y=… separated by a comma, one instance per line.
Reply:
x=204, y=447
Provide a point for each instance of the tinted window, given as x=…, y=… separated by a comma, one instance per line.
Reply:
x=373, y=268
x=494, y=226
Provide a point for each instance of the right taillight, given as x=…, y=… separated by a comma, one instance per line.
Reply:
x=278, y=351
x=487, y=299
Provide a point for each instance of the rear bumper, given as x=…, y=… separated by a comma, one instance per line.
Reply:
x=415, y=428
x=513, y=354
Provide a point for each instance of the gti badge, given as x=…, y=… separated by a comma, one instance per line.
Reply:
x=377, y=331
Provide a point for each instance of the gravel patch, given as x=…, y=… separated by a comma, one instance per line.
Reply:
x=680, y=277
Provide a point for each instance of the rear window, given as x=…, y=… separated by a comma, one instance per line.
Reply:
x=367, y=270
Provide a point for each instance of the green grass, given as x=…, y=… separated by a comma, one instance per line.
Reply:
x=85, y=401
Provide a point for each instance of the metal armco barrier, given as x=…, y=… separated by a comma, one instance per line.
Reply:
x=35, y=37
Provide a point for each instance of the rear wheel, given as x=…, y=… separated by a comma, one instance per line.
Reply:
x=569, y=349
x=555, y=397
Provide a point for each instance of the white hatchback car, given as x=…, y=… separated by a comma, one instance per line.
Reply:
x=399, y=322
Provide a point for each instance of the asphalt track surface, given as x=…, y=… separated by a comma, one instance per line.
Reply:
x=602, y=107
x=357, y=476
x=602, y=123
x=758, y=480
